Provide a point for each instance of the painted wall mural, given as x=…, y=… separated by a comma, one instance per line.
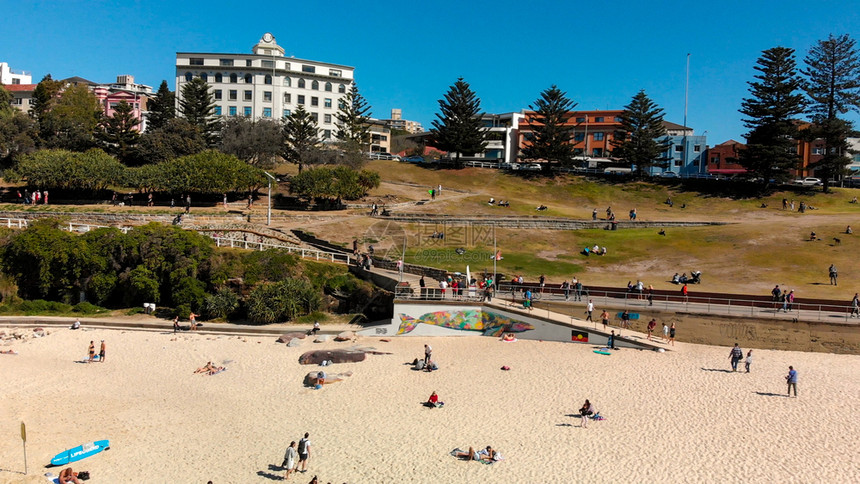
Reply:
x=488, y=323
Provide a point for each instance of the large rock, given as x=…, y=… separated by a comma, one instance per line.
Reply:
x=312, y=380
x=335, y=356
x=287, y=337
x=294, y=342
x=345, y=336
x=321, y=338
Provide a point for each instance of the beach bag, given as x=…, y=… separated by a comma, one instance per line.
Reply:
x=84, y=475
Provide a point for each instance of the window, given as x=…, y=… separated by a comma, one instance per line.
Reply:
x=817, y=151
x=217, y=110
x=267, y=79
x=334, y=72
x=267, y=112
x=205, y=77
x=301, y=99
x=288, y=98
x=679, y=148
x=618, y=119
x=196, y=61
x=678, y=162
x=327, y=118
x=188, y=77
x=310, y=69
x=286, y=113
x=598, y=119
x=697, y=148
x=596, y=152
x=233, y=94
x=287, y=81
x=341, y=88
x=114, y=105
x=287, y=66
x=248, y=63
x=301, y=83
x=267, y=96
x=341, y=104
x=232, y=110
x=248, y=95
x=315, y=101
x=328, y=87
x=234, y=78
x=247, y=110
x=579, y=137
x=598, y=136
x=267, y=51
x=327, y=102
x=715, y=159
x=315, y=117
x=217, y=94
x=326, y=134
x=383, y=137
x=219, y=77
x=580, y=120
x=17, y=101
x=268, y=63
x=315, y=86
x=226, y=62
x=249, y=79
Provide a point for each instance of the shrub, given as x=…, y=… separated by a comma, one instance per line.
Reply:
x=221, y=304
x=191, y=292
x=87, y=308
x=282, y=301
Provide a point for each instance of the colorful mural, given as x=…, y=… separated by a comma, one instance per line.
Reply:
x=490, y=324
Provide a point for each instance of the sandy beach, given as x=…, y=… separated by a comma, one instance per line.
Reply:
x=677, y=416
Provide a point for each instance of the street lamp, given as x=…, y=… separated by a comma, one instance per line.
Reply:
x=269, y=209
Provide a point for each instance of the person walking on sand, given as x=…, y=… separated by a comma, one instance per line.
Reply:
x=604, y=317
x=290, y=456
x=92, y=352
x=427, y=352
x=791, y=378
x=102, y=353
x=586, y=411
x=304, y=452
x=665, y=332
x=651, y=325
x=736, y=355
x=672, y=335
x=588, y=310
x=748, y=361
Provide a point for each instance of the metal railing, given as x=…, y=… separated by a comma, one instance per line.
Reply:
x=315, y=254
x=462, y=294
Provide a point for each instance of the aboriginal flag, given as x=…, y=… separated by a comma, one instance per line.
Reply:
x=579, y=336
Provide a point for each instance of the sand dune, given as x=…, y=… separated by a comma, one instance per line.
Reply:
x=671, y=417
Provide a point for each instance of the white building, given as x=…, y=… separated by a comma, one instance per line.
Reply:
x=9, y=76
x=265, y=84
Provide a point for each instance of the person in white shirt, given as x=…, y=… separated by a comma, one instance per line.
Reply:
x=589, y=309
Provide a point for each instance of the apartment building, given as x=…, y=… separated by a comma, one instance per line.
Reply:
x=22, y=96
x=9, y=76
x=266, y=84
x=397, y=122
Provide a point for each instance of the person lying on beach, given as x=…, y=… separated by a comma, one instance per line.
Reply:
x=68, y=476
x=470, y=455
x=488, y=454
x=208, y=368
x=8, y=352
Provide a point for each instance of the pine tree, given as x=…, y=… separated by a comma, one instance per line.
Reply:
x=162, y=107
x=5, y=101
x=198, y=107
x=638, y=141
x=45, y=96
x=119, y=134
x=352, y=116
x=300, y=136
x=551, y=134
x=833, y=87
x=770, y=113
x=458, y=129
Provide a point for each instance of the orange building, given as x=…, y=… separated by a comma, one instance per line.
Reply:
x=722, y=158
x=592, y=132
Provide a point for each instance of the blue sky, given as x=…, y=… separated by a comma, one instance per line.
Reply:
x=407, y=54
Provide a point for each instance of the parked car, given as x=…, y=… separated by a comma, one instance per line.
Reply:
x=669, y=174
x=531, y=167
x=413, y=159
x=808, y=182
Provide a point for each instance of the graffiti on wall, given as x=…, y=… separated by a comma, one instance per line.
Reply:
x=488, y=323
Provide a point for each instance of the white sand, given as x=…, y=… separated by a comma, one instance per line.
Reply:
x=669, y=419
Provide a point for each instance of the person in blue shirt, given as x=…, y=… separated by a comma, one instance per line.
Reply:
x=791, y=378
x=527, y=302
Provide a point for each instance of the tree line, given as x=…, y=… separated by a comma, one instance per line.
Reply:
x=166, y=265
x=826, y=89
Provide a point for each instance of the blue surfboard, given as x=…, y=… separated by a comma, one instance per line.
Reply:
x=80, y=452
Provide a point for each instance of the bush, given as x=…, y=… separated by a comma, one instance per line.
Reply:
x=141, y=286
x=183, y=311
x=87, y=308
x=191, y=292
x=282, y=301
x=221, y=304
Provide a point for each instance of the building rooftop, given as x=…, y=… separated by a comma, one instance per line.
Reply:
x=20, y=87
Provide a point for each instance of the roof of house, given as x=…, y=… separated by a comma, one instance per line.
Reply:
x=730, y=142
x=79, y=80
x=20, y=87
x=671, y=125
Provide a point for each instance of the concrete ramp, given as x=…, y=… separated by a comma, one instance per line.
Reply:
x=443, y=318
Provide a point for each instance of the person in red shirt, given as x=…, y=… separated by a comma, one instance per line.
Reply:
x=684, y=292
x=651, y=325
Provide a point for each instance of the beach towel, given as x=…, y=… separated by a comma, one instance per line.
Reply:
x=219, y=371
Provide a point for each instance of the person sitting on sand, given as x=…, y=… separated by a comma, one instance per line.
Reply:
x=509, y=337
x=316, y=328
x=586, y=411
x=433, y=401
x=68, y=476
x=208, y=368
x=76, y=324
